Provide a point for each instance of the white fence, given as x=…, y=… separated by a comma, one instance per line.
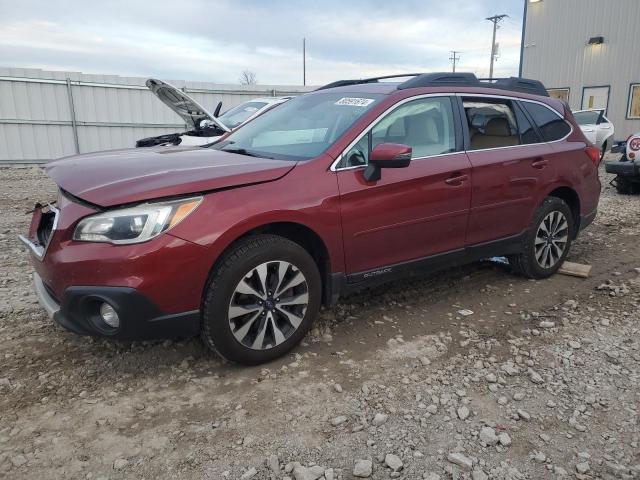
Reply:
x=46, y=114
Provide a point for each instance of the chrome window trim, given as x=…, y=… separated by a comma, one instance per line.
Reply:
x=40, y=250
x=334, y=167
x=377, y=120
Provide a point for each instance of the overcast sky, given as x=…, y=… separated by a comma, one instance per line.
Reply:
x=214, y=40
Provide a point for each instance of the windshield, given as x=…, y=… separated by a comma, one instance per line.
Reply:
x=587, y=118
x=301, y=128
x=237, y=115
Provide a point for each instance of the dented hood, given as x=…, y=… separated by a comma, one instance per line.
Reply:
x=138, y=174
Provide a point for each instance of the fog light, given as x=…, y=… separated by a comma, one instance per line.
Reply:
x=109, y=315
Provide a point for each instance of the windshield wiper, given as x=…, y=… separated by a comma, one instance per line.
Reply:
x=243, y=151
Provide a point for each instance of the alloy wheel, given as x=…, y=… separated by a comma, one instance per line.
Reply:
x=268, y=305
x=551, y=239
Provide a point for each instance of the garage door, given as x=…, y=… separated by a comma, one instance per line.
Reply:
x=595, y=98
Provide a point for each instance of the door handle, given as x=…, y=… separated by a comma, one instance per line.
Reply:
x=456, y=179
x=539, y=163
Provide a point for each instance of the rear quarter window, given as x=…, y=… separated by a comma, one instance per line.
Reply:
x=551, y=125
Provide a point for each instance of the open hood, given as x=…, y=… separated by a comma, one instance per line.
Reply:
x=181, y=103
x=134, y=175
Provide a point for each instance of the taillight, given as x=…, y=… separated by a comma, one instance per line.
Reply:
x=594, y=154
x=634, y=143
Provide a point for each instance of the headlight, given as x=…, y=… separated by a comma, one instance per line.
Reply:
x=136, y=224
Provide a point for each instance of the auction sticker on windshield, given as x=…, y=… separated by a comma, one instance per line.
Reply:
x=355, y=102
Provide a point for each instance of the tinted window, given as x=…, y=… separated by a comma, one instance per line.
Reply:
x=426, y=125
x=552, y=126
x=525, y=129
x=492, y=123
x=587, y=118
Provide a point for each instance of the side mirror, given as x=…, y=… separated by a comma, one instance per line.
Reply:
x=387, y=155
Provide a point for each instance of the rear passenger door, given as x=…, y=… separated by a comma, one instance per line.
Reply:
x=509, y=164
x=411, y=212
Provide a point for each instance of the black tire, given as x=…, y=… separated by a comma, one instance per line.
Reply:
x=526, y=263
x=625, y=186
x=247, y=254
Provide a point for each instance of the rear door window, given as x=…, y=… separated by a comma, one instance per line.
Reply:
x=492, y=123
x=527, y=133
x=551, y=125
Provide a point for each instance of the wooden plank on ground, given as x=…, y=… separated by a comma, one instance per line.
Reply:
x=575, y=269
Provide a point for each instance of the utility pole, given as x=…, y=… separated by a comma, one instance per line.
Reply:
x=304, y=61
x=495, y=20
x=454, y=59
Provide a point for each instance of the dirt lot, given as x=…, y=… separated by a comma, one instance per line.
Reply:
x=541, y=381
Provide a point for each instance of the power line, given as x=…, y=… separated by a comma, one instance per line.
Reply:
x=454, y=59
x=495, y=20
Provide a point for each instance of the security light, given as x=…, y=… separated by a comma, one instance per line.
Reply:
x=596, y=41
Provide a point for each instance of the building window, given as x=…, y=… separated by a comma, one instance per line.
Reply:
x=634, y=101
x=560, y=93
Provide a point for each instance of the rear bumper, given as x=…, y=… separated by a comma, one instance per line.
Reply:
x=625, y=169
x=139, y=318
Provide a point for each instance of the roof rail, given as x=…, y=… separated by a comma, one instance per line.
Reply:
x=441, y=79
x=517, y=84
x=447, y=79
x=346, y=83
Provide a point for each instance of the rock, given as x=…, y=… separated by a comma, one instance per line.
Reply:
x=491, y=378
x=582, y=467
x=338, y=420
x=463, y=412
x=120, y=463
x=535, y=377
x=460, y=460
x=273, y=463
x=363, y=468
x=539, y=457
x=518, y=396
x=431, y=476
x=504, y=439
x=379, y=419
x=432, y=409
x=523, y=414
x=559, y=471
x=393, y=462
x=338, y=388
x=18, y=460
x=479, y=475
x=329, y=474
x=308, y=473
x=488, y=436
x=546, y=324
x=465, y=312
x=252, y=472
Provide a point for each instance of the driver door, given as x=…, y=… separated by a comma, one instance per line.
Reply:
x=413, y=212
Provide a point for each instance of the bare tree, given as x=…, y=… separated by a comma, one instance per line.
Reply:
x=247, y=77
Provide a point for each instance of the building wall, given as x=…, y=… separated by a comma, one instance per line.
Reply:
x=556, y=51
x=36, y=121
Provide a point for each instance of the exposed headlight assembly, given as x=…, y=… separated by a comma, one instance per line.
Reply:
x=135, y=224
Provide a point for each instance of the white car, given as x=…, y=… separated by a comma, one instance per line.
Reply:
x=204, y=126
x=596, y=127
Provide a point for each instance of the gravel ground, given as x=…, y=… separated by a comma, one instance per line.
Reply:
x=541, y=380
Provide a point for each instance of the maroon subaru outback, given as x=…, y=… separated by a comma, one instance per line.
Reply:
x=356, y=183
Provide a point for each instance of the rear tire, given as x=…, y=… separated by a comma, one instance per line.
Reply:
x=547, y=241
x=261, y=300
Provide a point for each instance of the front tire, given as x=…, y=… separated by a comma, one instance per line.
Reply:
x=547, y=241
x=261, y=300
